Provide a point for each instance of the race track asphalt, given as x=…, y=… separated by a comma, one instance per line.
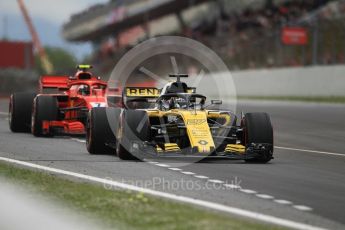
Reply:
x=304, y=183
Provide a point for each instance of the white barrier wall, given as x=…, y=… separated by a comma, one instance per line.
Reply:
x=307, y=81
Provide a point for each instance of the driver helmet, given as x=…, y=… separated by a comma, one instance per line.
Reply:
x=84, y=90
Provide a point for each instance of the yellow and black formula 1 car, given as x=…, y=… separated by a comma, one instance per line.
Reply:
x=176, y=122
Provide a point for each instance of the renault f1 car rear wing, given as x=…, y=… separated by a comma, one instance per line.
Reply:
x=142, y=92
x=140, y=97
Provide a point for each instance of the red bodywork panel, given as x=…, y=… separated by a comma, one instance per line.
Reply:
x=75, y=96
x=68, y=127
x=57, y=82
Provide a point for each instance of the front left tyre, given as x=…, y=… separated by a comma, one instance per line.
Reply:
x=100, y=130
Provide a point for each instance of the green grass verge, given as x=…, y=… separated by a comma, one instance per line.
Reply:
x=320, y=99
x=123, y=209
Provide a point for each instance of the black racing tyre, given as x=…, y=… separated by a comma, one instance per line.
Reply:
x=19, y=112
x=45, y=108
x=258, y=129
x=134, y=126
x=100, y=130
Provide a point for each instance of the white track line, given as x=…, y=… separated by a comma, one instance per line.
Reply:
x=302, y=207
x=311, y=151
x=248, y=191
x=3, y=113
x=278, y=147
x=188, y=173
x=162, y=165
x=232, y=186
x=264, y=196
x=175, y=169
x=202, y=203
x=283, y=201
x=216, y=181
x=201, y=176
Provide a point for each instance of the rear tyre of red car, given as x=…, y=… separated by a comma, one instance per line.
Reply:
x=258, y=129
x=134, y=127
x=45, y=108
x=19, y=114
x=100, y=130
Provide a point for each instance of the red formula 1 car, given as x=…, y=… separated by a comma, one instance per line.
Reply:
x=60, y=107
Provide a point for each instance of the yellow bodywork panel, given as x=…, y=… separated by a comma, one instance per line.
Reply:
x=216, y=115
x=159, y=149
x=168, y=147
x=171, y=147
x=198, y=130
x=235, y=148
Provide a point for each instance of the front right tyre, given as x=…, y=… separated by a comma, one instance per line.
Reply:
x=19, y=112
x=45, y=108
x=134, y=125
x=258, y=130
